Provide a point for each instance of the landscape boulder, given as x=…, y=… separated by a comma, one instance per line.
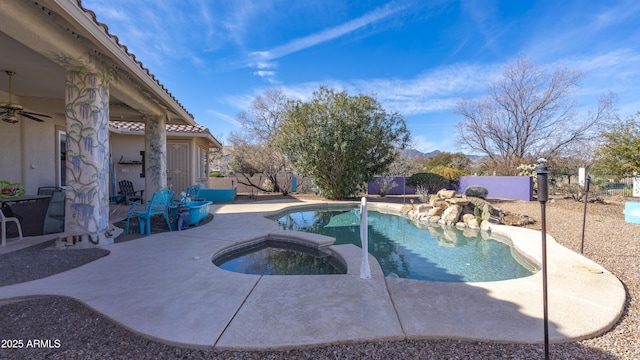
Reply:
x=446, y=194
x=436, y=211
x=485, y=225
x=470, y=221
x=452, y=214
x=457, y=201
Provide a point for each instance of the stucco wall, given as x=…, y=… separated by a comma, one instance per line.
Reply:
x=10, y=152
x=399, y=188
x=127, y=148
x=39, y=162
x=27, y=149
x=503, y=187
x=28, y=152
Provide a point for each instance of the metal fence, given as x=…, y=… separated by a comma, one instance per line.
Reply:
x=603, y=185
x=600, y=185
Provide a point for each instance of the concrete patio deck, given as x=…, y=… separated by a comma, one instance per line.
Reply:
x=165, y=287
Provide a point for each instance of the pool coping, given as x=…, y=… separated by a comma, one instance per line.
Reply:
x=168, y=290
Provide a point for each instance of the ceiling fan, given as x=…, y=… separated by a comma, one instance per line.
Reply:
x=10, y=110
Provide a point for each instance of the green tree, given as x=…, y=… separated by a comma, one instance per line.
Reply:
x=341, y=141
x=619, y=154
x=457, y=160
x=449, y=173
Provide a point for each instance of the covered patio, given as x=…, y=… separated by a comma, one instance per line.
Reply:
x=77, y=76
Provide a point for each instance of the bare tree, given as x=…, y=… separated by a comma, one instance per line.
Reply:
x=261, y=122
x=401, y=166
x=254, y=152
x=249, y=160
x=404, y=165
x=528, y=114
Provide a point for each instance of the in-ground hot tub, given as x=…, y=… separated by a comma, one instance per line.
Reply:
x=279, y=257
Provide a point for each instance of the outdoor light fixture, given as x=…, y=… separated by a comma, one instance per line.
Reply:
x=543, y=196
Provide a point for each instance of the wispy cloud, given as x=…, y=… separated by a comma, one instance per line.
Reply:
x=266, y=57
x=224, y=117
x=483, y=16
x=329, y=34
x=240, y=102
x=616, y=14
x=432, y=91
x=155, y=38
x=421, y=143
x=580, y=32
x=435, y=90
x=240, y=16
x=614, y=71
x=269, y=76
x=438, y=90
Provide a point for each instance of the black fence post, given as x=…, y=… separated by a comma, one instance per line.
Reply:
x=543, y=196
x=587, y=179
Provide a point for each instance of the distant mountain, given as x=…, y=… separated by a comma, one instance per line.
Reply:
x=413, y=153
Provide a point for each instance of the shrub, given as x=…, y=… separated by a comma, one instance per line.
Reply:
x=385, y=184
x=451, y=174
x=571, y=191
x=428, y=181
x=477, y=191
x=423, y=192
x=268, y=185
x=482, y=215
x=215, y=174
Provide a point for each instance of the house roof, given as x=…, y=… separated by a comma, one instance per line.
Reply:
x=137, y=128
x=39, y=36
x=131, y=55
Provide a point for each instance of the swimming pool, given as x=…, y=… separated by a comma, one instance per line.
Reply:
x=409, y=251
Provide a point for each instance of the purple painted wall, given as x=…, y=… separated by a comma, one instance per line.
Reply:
x=504, y=187
x=374, y=188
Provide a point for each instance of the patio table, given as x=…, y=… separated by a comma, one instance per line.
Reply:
x=23, y=198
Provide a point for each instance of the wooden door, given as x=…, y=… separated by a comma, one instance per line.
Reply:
x=178, y=163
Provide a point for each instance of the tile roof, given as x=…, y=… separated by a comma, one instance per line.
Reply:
x=171, y=128
x=133, y=56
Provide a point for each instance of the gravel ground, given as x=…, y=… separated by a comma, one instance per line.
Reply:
x=74, y=331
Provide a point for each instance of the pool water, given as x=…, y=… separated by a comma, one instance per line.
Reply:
x=279, y=258
x=408, y=251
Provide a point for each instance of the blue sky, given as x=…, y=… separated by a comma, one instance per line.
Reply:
x=416, y=57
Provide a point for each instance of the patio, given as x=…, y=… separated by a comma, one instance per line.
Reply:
x=200, y=305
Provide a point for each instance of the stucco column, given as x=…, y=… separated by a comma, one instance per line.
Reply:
x=87, y=164
x=155, y=148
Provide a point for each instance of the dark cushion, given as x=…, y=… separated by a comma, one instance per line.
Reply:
x=6, y=210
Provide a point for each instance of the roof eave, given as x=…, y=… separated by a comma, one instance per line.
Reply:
x=98, y=34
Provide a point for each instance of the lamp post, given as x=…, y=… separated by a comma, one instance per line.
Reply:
x=543, y=195
x=587, y=179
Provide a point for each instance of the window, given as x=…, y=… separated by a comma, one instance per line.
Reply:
x=61, y=157
x=202, y=164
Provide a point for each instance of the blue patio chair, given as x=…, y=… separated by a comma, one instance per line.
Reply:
x=192, y=193
x=159, y=205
